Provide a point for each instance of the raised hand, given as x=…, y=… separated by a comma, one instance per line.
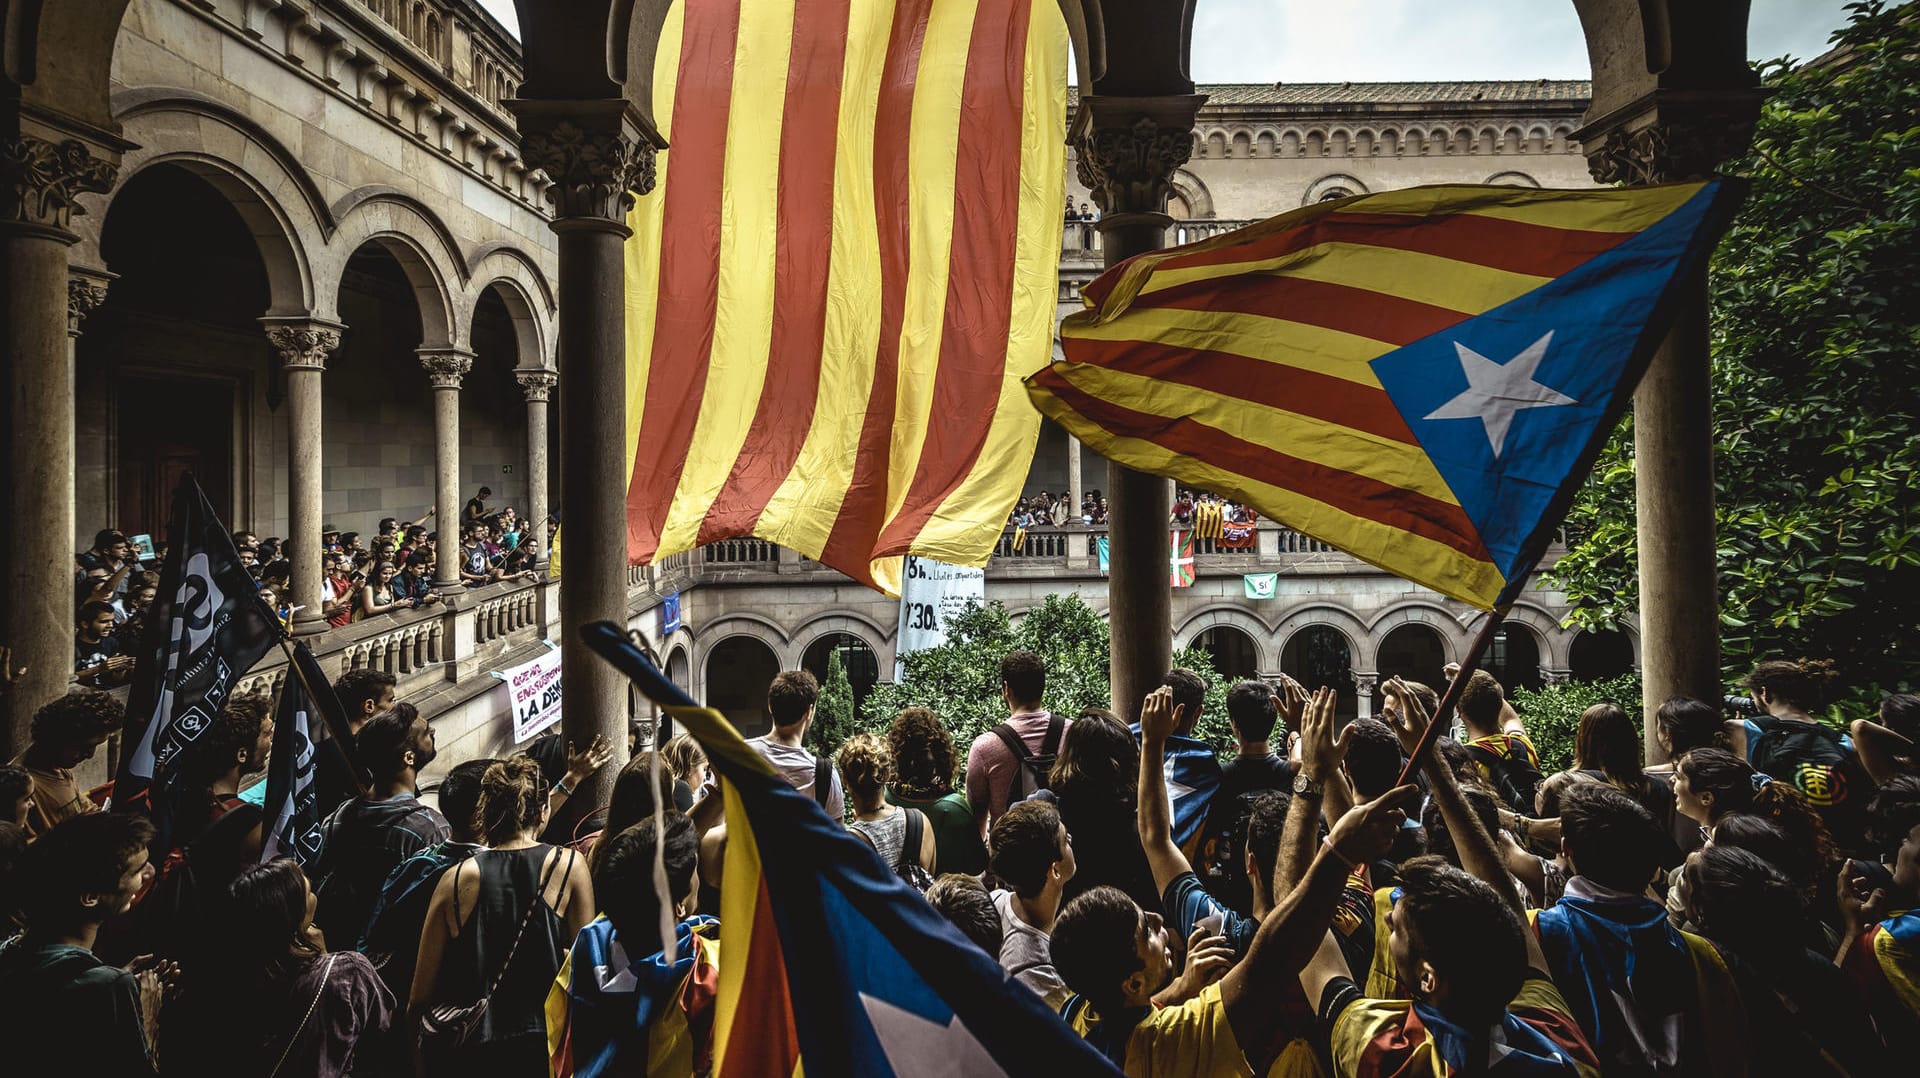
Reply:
x=1159, y=718
x=582, y=763
x=1366, y=833
x=1323, y=748
x=1290, y=703
x=1408, y=716
x=1208, y=959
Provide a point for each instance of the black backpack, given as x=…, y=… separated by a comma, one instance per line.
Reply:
x=1031, y=778
x=1513, y=777
x=909, y=867
x=822, y=780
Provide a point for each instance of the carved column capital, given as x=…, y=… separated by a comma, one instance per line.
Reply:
x=41, y=181
x=1366, y=684
x=597, y=156
x=446, y=366
x=85, y=293
x=304, y=345
x=1669, y=136
x=537, y=384
x=1128, y=152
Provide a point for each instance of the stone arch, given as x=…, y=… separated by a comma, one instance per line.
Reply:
x=1562, y=138
x=763, y=629
x=1416, y=650
x=1339, y=142
x=741, y=693
x=425, y=250
x=1487, y=141
x=1217, y=143
x=266, y=185
x=1358, y=638
x=1331, y=186
x=1538, y=138
x=519, y=284
x=1512, y=178
x=1193, y=191
x=1438, y=141
x=1229, y=616
x=852, y=623
x=1290, y=143
x=1548, y=633
x=1390, y=142
x=1608, y=653
x=1265, y=142
x=1366, y=142
x=1453, y=635
x=1199, y=146
x=1242, y=143
x=1513, y=141
x=1316, y=144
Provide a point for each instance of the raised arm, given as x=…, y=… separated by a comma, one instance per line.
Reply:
x=1158, y=720
x=1321, y=752
x=1479, y=854
x=1292, y=933
x=1880, y=749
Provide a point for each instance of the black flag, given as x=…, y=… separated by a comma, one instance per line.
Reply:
x=292, y=805
x=206, y=628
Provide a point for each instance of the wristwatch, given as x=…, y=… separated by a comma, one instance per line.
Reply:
x=1305, y=785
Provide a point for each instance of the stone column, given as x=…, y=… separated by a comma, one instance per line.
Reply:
x=1364, y=686
x=1075, y=491
x=41, y=309
x=445, y=368
x=304, y=345
x=599, y=155
x=1661, y=139
x=1127, y=149
x=538, y=386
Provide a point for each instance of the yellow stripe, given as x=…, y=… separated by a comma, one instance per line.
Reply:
x=963, y=529
x=1401, y=553
x=749, y=219
x=1293, y=433
x=1618, y=209
x=1467, y=287
x=1274, y=340
x=643, y=250
x=801, y=513
x=739, y=897
x=930, y=165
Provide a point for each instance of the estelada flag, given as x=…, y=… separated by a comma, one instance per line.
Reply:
x=1420, y=378
x=831, y=960
x=848, y=268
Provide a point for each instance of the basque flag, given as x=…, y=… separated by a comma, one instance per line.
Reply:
x=830, y=960
x=207, y=628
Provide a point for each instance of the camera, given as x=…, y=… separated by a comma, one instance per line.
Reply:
x=1739, y=703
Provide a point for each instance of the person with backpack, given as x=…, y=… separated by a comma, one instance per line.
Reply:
x=1092, y=784
x=1010, y=762
x=790, y=701
x=1786, y=742
x=899, y=835
x=1497, y=740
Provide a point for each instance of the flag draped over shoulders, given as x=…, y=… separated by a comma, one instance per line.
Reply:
x=847, y=269
x=832, y=962
x=1418, y=377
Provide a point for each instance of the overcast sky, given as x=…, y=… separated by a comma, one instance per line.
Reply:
x=1425, y=40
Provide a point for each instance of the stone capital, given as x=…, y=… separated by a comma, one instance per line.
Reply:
x=1366, y=684
x=598, y=155
x=446, y=366
x=1127, y=149
x=86, y=291
x=537, y=384
x=41, y=181
x=1669, y=136
x=303, y=344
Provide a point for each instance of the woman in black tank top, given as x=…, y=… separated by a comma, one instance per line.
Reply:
x=479, y=908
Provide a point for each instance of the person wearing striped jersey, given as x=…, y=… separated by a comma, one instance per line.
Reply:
x=1881, y=947
x=1482, y=1000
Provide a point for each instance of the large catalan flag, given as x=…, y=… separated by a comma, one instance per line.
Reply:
x=832, y=961
x=849, y=266
x=1420, y=378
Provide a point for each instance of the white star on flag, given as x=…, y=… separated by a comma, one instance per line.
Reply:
x=1175, y=790
x=926, y=1049
x=1497, y=391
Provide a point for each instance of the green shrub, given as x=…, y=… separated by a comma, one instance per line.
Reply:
x=1552, y=713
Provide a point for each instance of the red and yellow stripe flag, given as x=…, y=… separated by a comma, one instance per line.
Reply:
x=848, y=268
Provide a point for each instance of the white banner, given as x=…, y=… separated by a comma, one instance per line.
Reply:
x=930, y=594
x=533, y=690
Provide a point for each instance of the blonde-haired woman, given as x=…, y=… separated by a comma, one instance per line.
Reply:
x=866, y=766
x=505, y=917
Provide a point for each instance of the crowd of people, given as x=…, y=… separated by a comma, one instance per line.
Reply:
x=1204, y=511
x=365, y=576
x=1356, y=899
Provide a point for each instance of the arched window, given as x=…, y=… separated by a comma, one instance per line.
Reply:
x=738, y=673
x=856, y=658
x=1233, y=651
x=1415, y=652
x=1320, y=655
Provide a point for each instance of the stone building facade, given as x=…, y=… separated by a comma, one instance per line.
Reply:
x=324, y=281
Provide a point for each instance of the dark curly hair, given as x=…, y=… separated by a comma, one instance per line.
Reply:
x=1803, y=683
x=1097, y=755
x=924, y=756
x=81, y=715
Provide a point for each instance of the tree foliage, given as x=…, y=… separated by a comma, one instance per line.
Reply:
x=1552, y=713
x=833, y=718
x=960, y=679
x=1815, y=329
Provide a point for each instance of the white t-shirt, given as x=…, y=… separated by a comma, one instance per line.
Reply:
x=1026, y=953
x=796, y=766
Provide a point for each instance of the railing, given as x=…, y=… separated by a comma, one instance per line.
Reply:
x=505, y=615
x=1036, y=543
x=1195, y=230
x=1292, y=542
x=1079, y=241
x=1211, y=547
x=740, y=552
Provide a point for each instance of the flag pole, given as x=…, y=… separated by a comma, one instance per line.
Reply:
x=293, y=666
x=1449, y=699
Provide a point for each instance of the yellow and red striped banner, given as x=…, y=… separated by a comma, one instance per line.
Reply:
x=846, y=272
